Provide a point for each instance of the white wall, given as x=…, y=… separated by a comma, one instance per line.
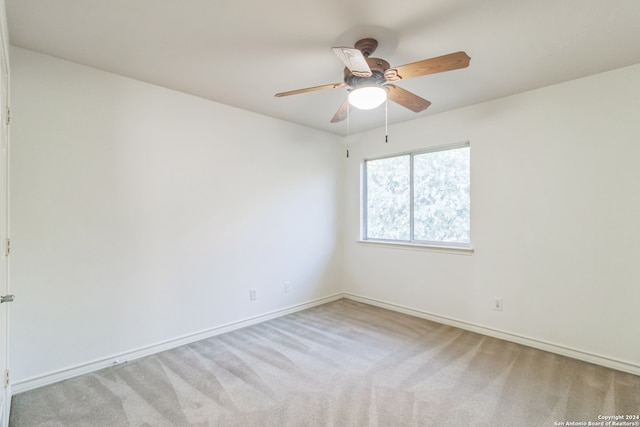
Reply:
x=141, y=215
x=555, y=210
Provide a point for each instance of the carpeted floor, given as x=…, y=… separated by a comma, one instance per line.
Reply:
x=339, y=364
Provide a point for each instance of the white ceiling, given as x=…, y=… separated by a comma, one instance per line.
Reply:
x=241, y=52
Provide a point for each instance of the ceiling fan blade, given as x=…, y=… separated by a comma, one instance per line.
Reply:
x=452, y=61
x=342, y=112
x=354, y=60
x=311, y=89
x=405, y=98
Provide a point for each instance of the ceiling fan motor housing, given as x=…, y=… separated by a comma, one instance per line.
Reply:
x=378, y=67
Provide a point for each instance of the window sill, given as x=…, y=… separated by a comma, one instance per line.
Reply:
x=458, y=250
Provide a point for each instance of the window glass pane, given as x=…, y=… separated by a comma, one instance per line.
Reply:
x=388, y=198
x=441, y=196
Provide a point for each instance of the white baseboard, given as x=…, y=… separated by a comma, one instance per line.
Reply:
x=596, y=359
x=64, y=374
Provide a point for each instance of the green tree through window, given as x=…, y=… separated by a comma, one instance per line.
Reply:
x=420, y=197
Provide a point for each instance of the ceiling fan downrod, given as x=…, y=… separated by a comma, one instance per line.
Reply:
x=366, y=46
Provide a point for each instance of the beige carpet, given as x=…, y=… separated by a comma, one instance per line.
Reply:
x=339, y=364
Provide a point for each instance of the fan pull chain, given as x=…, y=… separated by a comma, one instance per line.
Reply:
x=386, y=120
x=348, y=127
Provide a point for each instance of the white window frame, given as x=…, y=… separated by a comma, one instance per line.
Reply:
x=449, y=247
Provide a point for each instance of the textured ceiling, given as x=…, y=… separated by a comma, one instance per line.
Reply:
x=241, y=52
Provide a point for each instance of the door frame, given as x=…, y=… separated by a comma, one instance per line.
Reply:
x=5, y=390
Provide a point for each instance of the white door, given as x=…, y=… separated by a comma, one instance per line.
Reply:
x=5, y=390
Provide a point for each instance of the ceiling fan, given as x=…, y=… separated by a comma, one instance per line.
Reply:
x=367, y=77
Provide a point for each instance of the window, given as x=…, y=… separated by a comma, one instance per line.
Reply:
x=420, y=198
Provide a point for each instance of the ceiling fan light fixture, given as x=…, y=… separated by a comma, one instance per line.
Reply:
x=367, y=98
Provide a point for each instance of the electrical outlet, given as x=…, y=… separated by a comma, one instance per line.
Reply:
x=252, y=295
x=497, y=304
x=287, y=287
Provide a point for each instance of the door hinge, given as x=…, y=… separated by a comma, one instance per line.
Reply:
x=8, y=116
x=7, y=379
x=7, y=250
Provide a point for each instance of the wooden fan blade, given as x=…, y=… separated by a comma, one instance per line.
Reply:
x=354, y=60
x=311, y=89
x=342, y=112
x=452, y=61
x=405, y=98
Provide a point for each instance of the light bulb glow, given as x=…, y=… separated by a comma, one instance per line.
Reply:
x=367, y=98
